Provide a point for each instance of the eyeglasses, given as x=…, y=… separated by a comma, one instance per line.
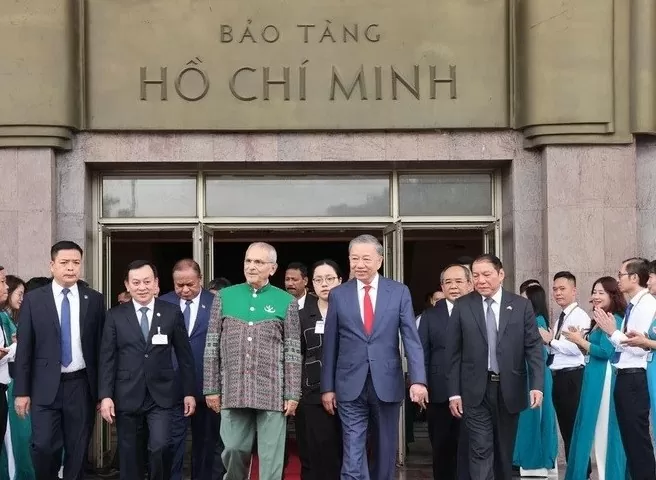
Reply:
x=256, y=263
x=329, y=280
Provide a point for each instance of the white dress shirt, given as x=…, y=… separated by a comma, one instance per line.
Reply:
x=373, y=293
x=149, y=313
x=301, y=301
x=4, y=361
x=567, y=354
x=449, y=307
x=642, y=314
x=193, y=311
x=78, y=362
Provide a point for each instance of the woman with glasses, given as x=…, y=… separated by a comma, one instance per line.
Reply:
x=322, y=430
x=596, y=428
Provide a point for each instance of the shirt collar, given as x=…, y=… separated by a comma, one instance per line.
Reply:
x=570, y=307
x=374, y=283
x=137, y=306
x=57, y=289
x=262, y=289
x=496, y=297
x=636, y=298
x=195, y=300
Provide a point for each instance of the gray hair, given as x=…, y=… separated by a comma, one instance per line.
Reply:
x=465, y=268
x=273, y=255
x=366, y=238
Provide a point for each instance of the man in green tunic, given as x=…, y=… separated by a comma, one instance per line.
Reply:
x=252, y=366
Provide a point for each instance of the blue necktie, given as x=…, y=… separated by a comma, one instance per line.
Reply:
x=616, y=356
x=66, y=341
x=145, y=329
x=187, y=314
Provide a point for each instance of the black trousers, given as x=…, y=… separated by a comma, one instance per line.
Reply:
x=159, y=426
x=65, y=424
x=301, y=441
x=448, y=442
x=4, y=411
x=632, y=406
x=491, y=431
x=566, y=398
x=323, y=436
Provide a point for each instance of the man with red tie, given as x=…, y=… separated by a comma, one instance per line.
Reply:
x=362, y=376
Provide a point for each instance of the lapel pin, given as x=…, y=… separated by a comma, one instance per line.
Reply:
x=509, y=307
x=86, y=297
x=202, y=306
x=159, y=314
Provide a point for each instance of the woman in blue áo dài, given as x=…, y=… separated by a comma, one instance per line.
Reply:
x=536, y=444
x=596, y=422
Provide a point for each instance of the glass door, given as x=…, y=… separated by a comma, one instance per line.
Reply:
x=491, y=239
x=204, y=251
x=393, y=268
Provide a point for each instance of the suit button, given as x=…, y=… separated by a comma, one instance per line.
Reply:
x=146, y=355
x=250, y=339
x=252, y=309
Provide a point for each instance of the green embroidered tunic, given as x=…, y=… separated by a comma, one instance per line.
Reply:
x=253, y=348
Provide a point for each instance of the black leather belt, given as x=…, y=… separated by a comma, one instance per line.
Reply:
x=629, y=371
x=493, y=377
x=74, y=375
x=567, y=370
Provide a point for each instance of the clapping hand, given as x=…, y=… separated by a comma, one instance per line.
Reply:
x=605, y=320
x=636, y=339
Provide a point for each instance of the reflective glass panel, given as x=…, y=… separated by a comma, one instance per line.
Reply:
x=445, y=194
x=148, y=197
x=297, y=196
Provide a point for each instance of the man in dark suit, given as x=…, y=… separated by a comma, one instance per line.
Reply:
x=137, y=379
x=195, y=304
x=492, y=336
x=56, y=366
x=362, y=374
x=450, y=456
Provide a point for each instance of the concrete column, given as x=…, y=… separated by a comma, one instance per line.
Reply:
x=521, y=227
x=27, y=210
x=590, y=218
x=646, y=196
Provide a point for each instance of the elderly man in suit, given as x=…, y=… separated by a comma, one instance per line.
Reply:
x=137, y=379
x=56, y=366
x=362, y=375
x=492, y=336
x=449, y=446
x=195, y=303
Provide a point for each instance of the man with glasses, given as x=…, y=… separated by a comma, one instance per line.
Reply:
x=631, y=393
x=252, y=370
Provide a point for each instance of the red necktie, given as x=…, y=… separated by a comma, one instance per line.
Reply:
x=368, y=311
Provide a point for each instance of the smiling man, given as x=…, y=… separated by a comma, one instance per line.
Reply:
x=252, y=370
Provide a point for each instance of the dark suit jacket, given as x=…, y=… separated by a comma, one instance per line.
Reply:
x=312, y=351
x=349, y=354
x=519, y=344
x=196, y=339
x=432, y=332
x=38, y=353
x=130, y=367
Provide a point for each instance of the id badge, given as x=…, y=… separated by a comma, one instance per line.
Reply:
x=319, y=327
x=650, y=357
x=586, y=359
x=159, y=339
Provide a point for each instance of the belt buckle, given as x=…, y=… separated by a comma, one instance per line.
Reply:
x=494, y=377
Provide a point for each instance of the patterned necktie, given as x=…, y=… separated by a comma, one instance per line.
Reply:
x=145, y=329
x=491, y=324
x=187, y=314
x=616, y=355
x=368, y=311
x=559, y=326
x=66, y=340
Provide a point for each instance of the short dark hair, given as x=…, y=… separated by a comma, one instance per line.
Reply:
x=136, y=264
x=37, y=282
x=330, y=263
x=1, y=268
x=528, y=283
x=652, y=267
x=186, y=263
x=640, y=267
x=64, y=245
x=300, y=267
x=488, y=258
x=566, y=275
x=219, y=283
